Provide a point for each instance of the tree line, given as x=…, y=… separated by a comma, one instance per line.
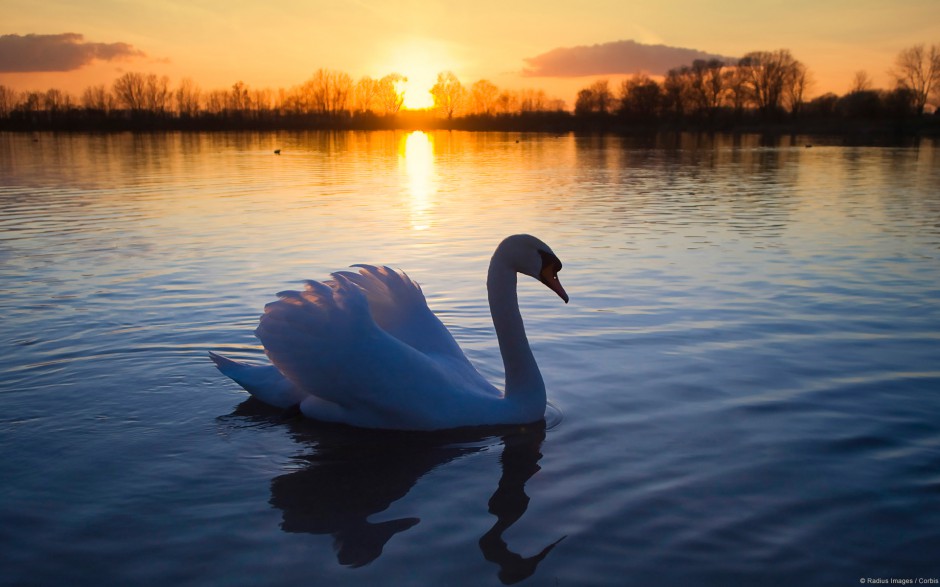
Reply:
x=769, y=86
x=762, y=86
x=328, y=98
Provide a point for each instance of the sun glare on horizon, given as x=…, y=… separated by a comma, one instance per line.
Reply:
x=417, y=90
x=419, y=60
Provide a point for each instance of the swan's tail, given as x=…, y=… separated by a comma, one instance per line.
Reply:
x=264, y=382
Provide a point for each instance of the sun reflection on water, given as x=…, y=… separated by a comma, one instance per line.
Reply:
x=416, y=152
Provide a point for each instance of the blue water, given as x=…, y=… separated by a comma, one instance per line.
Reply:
x=745, y=385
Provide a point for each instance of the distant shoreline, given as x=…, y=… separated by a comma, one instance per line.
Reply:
x=927, y=126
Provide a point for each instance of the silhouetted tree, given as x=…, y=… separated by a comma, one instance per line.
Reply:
x=31, y=102
x=640, y=98
x=390, y=95
x=506, y=102
x=215, y=101
x=902, y=103
x=187, y=98
x=676, y=92
x=157, y=94
x=768, y=76
x=736, y=91
x=707, y=85
x=55, y=100
x=327, y=92
x=861, y=81
x=796, y=87
x=483, y=94
x=97, y=98
x=366, y=94
x=449, y=94
x=533, y=100
x=7, y=100
x=822, y=106
x=130, y=91
x=262, y=101
x=861, y=105
x=595, y=99
x=238, y=99
x=918, y=70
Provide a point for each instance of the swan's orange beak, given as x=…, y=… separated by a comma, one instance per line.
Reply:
x=549, y=276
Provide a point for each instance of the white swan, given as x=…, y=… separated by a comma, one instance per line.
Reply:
x=364, y=349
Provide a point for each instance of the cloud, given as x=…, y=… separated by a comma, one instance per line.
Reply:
x=618, y=57
x=62, y=52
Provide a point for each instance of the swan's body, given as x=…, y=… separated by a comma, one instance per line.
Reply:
x=364, y=349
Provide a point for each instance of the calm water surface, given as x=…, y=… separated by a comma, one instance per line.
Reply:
x=746, y=383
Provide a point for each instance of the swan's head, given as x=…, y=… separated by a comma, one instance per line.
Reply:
x=528, y=255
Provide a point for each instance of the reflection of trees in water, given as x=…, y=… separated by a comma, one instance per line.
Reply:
x=694, y=188
x=350, y=475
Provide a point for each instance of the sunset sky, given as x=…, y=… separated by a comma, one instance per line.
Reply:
x=519, y=44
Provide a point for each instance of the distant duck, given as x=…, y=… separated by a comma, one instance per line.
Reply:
x=277, y=151
x=364, y=349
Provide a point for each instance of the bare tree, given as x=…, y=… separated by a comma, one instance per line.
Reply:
x=261, y=100
x=216, y=101
x=97, y=98
x=365, y=94
x=55, y=100
x=506, y=102
x=706, y=88
x=861, y=82
x=532, y=100
x=676, y=90
x=390, y=95
x=483, y=94
x=187, y=96
x=736, y=91
x=157, y=93
x=449, y=94
x=238, y=100
x=796, y=87
x=767, y=75
x=130, y=89
x=918, y=70
x=31, y=102
x=293, y=100
x=327, y=92
x=7, y=100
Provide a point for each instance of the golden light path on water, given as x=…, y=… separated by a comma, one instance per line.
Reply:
x=416, y=155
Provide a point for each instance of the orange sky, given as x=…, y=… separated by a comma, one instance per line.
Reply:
x=280, y=43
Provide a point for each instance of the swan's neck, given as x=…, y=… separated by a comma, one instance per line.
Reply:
x=523, y=379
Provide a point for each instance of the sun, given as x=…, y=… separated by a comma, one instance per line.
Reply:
x=418, y=90
x=419, y=60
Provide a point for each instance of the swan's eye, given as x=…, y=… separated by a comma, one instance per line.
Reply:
x=549, y=260
x=551, y=265
x=549, y=274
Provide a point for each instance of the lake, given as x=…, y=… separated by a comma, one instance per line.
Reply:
x=745, y=387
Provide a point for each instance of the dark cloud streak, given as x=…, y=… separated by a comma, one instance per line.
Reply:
x=618, y=57
x=62, y=52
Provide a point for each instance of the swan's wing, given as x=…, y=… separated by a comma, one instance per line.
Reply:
x=264, y=382
x=399, y=308
x=325, y=342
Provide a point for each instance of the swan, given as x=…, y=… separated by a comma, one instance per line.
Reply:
x=364, y=349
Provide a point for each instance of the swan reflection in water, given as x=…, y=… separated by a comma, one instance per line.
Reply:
x=353, y=474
